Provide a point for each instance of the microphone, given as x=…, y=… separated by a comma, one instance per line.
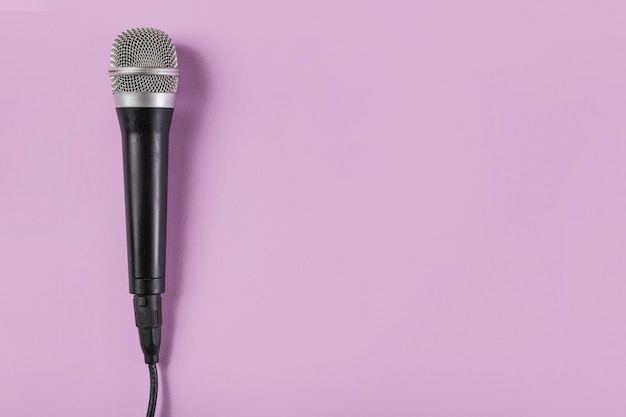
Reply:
x=144, y=79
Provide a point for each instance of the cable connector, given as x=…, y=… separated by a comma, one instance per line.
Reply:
x=148, y=318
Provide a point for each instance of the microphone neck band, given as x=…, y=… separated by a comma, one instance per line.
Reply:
x=151, y=100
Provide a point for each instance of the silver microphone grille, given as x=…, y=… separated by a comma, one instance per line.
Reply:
x=139, y=48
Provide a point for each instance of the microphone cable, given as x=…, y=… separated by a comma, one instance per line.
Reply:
x=154, y=389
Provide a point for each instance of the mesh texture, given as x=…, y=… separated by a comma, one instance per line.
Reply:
x=146, y=48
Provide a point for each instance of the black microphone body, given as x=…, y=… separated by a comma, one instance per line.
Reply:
x=145, y=138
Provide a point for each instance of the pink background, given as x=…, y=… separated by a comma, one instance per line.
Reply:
x=384, y=208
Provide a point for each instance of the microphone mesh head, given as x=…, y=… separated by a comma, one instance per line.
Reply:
x=146, y=48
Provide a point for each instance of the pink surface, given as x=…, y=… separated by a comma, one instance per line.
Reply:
x=377, y=209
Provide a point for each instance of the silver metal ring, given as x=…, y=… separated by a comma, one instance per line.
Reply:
x=170, y=72
x=161, y=100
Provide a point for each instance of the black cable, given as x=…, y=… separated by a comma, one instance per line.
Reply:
x=154, y=389
x=148, y=321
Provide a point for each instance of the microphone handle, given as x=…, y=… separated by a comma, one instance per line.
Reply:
x=145, y=137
